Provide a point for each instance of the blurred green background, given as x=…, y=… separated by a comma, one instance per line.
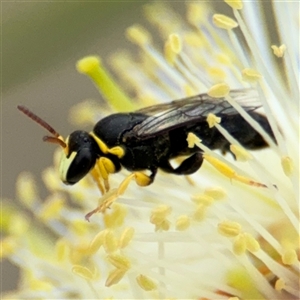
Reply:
x=41, y=42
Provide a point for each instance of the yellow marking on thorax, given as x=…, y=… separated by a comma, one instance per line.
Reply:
x=117, y=150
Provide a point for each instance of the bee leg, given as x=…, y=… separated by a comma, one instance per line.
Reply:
x=189, y=166
x=140, y=178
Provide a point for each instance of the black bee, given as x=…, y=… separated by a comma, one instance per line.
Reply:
x=149, y=138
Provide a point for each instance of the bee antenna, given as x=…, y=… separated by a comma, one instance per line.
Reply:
x=54, y=140
x=38, y=120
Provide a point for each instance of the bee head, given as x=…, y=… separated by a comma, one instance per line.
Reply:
x=79, y=150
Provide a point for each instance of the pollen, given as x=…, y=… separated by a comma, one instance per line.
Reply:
x=116, y=217
x=289, y=256
x=279, y=284
x=114, y=277
x=200, y=212
x=239, y=245
x=240, y=153
x=97, y=242
x=26, y=189
x=235, y=4
x=203, y=199
x=110, y=242
x=84, y=272
x=279, y=51
x=219, y=90
x=62, y=250
x=52, y=207
x=251, y=75
x=146, y=283
x=251, y=243
x=195, y=14
x=217, y=193
x=212, y=120
x=229, y=228
x=192, y=140
x=88, y=65
x=138, y=35
x=159, y=214
x=169, y=54
x=224, y=22
x=182, y=223
x=119, y=261
x=126, y=237
x=287, y=165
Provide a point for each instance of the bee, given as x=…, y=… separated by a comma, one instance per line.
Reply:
x=149, y=138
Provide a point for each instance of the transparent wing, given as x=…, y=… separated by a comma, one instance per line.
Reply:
x=164, y=117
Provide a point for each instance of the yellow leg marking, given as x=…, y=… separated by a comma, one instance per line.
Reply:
x=118, y=151
x=96, y=176
x=142, y=179
x=229, y=172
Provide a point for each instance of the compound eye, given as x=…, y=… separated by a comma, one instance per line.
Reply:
x=76, y=166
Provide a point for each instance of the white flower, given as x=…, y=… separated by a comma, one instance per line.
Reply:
x=203, y=237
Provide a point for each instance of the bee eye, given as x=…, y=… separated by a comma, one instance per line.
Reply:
x=77, y=165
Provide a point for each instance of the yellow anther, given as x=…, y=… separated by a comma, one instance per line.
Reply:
x=26, y=189
x=192, y=140
x=138, y=35
x=119, y=261
x=216, y=73
x=289, y=256
x=110, y=90
x=159, y=214
x=250, y=75
x=39, y=285
x=84, y=272
x=182, y=223
x=88, y=64
x=115, y=217
x=224, y=22
x=126, y=237
x=62, y=250
x=110, y=242
x=52, y=207
x=229, y=228
x=195, y=13
x=240, y=153
x=235, y=4
x=163, y=226
x=279, y=51
x=287, y=165
x=252, y=244
x=169, y=54
x=279, y=284
x=199, y=213
x=114, y=277
x=8, y=246
x=175, y=42
x=97, y=242
x=146, y=283
x=18, y=224
x=215, y=192
x=212, y=120
x=203, y=199
x=239, y=245
x=233, y=298
x=219, y=90
x=193, y=39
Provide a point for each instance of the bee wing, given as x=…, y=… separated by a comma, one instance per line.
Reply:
x=164, y=117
